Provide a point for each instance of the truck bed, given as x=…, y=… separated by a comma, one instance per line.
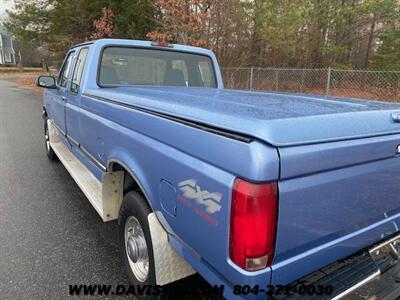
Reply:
x=338, y=184
x=278, y=119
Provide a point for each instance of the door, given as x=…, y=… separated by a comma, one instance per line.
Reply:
x=60, y=96
x=74, y=98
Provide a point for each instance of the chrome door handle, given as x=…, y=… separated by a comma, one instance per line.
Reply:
x=63, y=98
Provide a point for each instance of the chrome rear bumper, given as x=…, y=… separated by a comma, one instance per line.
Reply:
x=370, y=274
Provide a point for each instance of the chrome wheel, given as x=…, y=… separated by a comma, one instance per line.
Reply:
x=136, y=249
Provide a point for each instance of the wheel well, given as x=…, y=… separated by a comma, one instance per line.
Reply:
x=116, y=183
x=130, y=184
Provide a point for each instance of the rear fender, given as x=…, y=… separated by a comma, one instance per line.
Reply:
x=169, y=266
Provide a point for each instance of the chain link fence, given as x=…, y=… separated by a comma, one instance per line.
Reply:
x=365, y=84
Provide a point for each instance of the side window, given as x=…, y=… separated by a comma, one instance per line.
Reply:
x=78, y=71
x=65, y=70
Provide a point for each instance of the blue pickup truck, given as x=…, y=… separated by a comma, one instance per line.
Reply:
x=267, y=195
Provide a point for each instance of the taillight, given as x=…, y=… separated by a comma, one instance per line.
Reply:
x=253, y=224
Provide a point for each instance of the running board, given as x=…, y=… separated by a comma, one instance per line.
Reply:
x=105, y=198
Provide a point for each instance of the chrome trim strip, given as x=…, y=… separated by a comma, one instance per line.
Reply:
x=84, y=151
x=71, y=139
x=93, y=159
x=356, y=286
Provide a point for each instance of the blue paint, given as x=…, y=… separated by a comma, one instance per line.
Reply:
x=334, y=158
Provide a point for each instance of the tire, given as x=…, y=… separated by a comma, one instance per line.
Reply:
x=134, y=211
x=49, y=151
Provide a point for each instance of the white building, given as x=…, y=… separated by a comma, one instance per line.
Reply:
x=7, y=53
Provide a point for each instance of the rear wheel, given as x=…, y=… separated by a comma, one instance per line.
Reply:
x=135, y=240
x=50, y=153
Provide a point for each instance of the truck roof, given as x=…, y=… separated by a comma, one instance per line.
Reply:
x=143, y=43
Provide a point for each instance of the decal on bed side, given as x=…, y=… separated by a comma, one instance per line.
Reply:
x=211, y=201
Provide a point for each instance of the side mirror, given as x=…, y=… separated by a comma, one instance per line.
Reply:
x=48, y=82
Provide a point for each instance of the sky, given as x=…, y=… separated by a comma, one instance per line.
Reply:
x=5, y=4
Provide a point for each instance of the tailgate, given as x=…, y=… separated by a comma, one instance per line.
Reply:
x=334, y=199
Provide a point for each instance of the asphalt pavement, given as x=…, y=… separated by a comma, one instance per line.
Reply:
x=50, y=235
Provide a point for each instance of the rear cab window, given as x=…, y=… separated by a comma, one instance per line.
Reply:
x=130, y=66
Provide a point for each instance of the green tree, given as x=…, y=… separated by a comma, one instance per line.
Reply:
x=29, y=22
x=133, y=19
x=290, y=33
x=382, y=15
x=58, y=24
x=388, y=54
